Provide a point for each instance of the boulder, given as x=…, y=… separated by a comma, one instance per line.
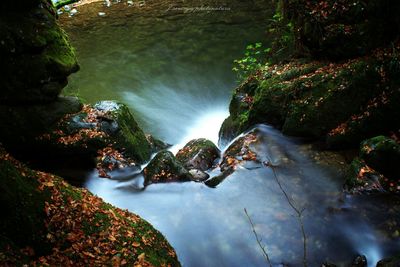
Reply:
x=163, y=168
x=337, y=103
x=360, y=178
x=240, y=151
x=198, y=154
x=36, y=57
x=383, y=155
x=360, y=261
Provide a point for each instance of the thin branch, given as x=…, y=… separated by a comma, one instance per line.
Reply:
x=265, y=254
x=299, y=213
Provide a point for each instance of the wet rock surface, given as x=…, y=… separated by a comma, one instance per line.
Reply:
x=164, y=167
x=198, y=154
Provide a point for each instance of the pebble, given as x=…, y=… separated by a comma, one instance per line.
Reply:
x=102, y=14
x=73, y=12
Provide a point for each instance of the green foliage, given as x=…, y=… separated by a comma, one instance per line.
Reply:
x=253, y=60
x=281, y=31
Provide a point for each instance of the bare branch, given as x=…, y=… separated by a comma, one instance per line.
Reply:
x=299, y=212
x=264, y=251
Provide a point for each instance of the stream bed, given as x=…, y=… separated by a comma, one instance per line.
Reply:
x=171, y=63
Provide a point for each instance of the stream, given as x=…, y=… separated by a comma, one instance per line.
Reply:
x=171, y=63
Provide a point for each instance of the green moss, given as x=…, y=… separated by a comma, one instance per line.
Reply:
x=23, y=208
x=198, y=154
x=130, y=138
x=313, y=99
x=382, y=154
x=61, y=223
x=36, y=48
x=164, y=167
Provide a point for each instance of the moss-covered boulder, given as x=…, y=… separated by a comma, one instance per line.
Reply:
x=241, y=150
x=382, y=154
x=342, y=29
x=375, y=169
x=45, y=221
x=36, y=57
x=164, y=168
x=198, y=154
x=315, y=99
x=106, y=131
x=117, y=121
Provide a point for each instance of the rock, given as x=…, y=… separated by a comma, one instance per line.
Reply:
x=240, y=151
x=360, y=261
x=360, y=178
x=156, y=144
x=163, y=168
x=36, y=57
x=198, y=175
x=332, y=103
x=124, y=132
x=216, y=180
x=389, y=262
x=198, y=154
x=382, y=154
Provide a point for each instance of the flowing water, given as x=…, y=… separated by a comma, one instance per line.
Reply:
x=171, y=63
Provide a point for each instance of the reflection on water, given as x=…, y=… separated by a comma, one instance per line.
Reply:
x=173, y=70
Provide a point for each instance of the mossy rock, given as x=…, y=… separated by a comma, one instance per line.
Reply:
x=93, y=128
x=382, y=154
x=313, y=99
x=360, y=178
x=198, y=154
x=23, y=207
x=126, y=133
x=48, y=222
x=36, y=56
x=164, y=168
